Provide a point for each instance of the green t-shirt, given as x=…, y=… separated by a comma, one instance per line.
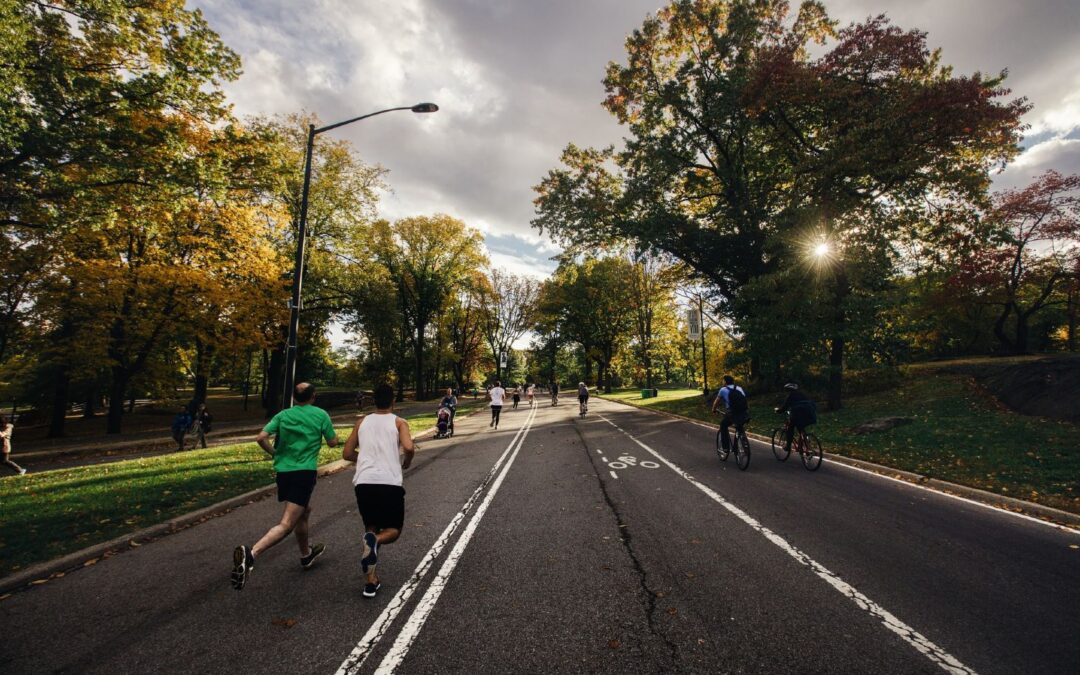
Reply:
x=300, y=431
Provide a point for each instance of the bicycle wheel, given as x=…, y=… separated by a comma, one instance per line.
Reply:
x=742, y=451
x=720, y=451
x=811, y=452
x=780, y=449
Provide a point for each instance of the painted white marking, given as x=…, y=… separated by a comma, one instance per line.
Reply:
x=603, y=459
x=616, y=465
x=649, y=465
x=367, y=643
x=920, y=642
x=614, y=475
x=415, y=623
x=832, y=463
x=991, y=507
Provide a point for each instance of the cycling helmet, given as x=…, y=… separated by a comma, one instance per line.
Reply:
x=791, y=386
x=581, y=384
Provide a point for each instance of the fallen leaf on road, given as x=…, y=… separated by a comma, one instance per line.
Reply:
x=661, y=594
x=38, y=582
x=672, y=611
x=284, y=623
x=134, y=544
x=91, y=561
x=614, y=644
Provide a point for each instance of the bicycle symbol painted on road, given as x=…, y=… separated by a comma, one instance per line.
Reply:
x=628, y=461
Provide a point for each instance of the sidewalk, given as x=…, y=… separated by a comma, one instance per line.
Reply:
x=221, y=435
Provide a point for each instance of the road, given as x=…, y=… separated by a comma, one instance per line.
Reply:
x=617, y=543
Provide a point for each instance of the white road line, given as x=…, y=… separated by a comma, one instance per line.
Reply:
x=991, y=507
x=426, y=604
x=614, y=475
x=935, y=491
x=367, y=643
x=936, y=654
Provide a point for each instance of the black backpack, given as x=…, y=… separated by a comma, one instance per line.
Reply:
x=736, y=400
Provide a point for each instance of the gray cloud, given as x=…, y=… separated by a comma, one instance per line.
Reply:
x=519, y=80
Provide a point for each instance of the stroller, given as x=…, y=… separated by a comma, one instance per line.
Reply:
x=444, y=426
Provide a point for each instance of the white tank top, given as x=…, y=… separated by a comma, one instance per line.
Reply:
x=379, y=461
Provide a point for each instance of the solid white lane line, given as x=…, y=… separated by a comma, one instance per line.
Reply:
x=426, y=604
x=936, y=654
x=614, y=475
x=936, y=491
x=367, y=643
x=990, y=507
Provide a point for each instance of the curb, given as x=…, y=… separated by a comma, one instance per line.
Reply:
x=1011, y=504
x=43, y=572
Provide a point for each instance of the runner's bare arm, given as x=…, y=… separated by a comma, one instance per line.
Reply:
x=406, y=441
x=263, y=439
x=349, y=453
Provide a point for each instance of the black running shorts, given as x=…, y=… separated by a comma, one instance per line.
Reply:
x=381, y=506
x=296, y=487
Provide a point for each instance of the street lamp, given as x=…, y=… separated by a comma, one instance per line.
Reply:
x=301, y=241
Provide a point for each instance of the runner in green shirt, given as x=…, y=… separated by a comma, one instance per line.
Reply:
x=299, y=433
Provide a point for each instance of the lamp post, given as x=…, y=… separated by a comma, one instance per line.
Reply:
x=301, y=242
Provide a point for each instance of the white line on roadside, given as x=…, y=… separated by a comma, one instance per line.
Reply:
x=921, y=643
x=426, y=604
x=936, y=491
x=367, y=643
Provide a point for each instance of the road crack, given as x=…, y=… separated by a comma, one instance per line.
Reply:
x=649, y=597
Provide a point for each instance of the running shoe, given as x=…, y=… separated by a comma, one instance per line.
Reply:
x=243, y=563
x=371, y=552
x=371, y=589
x=316, y=551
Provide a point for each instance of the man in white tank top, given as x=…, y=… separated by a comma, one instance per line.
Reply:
x=382, y=448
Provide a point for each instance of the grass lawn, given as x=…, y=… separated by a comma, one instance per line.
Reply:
x=959, y=434
x=50, y=514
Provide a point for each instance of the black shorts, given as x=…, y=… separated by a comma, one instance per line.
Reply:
x=582, y=398
x=381, y=506
x=296, y=487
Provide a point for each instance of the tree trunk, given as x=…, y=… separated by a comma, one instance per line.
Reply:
x=275, y=383
x=999, y=329
x=418, y=350
x=203, y=356
x=61, y=391
x=117, y=389
x=90, y=407
x=1021, y=345
x=1071, y=312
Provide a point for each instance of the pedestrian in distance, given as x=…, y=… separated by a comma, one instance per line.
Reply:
x=530, y=392
x=517, y=397
x=496, y=394
x=383, y=449
x=6, y=429
x=181, y=424
x=201, y=425
x=737, y=411
x=299, y=432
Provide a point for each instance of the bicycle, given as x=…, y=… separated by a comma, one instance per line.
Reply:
x=741, y=446
x=807, y=445
x=583, y=407
x=554, y=400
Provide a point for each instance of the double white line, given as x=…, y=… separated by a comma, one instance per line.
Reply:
x=412, y=627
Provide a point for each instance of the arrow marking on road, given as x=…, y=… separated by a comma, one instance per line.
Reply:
x=920, y=642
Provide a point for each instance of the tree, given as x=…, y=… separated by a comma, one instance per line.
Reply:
x=651, y=286
x=427, y=257
x=464, y=321
x=742, y=141
x=509, y=310
x=1033, y=251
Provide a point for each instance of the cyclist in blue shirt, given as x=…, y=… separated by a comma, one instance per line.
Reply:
x=736, y=410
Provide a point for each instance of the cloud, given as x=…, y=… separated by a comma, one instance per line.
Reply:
x=517, y=81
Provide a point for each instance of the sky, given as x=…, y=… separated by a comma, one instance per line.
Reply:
x=517, y=80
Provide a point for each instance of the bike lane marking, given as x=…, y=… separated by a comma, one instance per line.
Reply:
x=921, y=643
x=423, y=609
x=378, y=628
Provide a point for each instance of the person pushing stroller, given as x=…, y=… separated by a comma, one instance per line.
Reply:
x=444, y=426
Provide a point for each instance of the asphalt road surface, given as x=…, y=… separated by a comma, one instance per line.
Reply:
x=617, y=543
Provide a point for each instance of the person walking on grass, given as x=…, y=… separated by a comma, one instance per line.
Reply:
x=299, y=433
x=6, y=429
x=382, y=448
x=496, y=394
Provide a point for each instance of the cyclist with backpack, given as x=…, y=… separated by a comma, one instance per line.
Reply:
x=737, y=411
x=803, y=412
